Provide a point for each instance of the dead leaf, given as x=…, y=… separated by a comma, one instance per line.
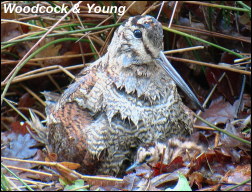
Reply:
x=18, y=146
x=238, y=175
x=219, y=112
x=19, y=128
x=137, y=8
x=197, y=178
x=166, y=178
x=70, y=165
x=176, y=163
x=26, y=100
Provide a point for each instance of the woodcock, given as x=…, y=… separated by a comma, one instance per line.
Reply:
x=126, y=98
x=153, y=153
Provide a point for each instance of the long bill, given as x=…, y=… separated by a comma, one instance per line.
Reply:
x=136, y=164
x=166, y=65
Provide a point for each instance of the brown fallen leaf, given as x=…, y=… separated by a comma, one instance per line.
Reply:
x=219, y=112
x=239, y=174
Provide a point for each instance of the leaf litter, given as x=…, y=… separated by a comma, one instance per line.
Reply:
x=225, y=162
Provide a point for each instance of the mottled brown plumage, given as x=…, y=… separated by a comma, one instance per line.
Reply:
x=152, y=153
x=120, y=101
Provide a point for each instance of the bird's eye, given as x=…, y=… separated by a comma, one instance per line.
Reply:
x=147, y=157
x=137, y=33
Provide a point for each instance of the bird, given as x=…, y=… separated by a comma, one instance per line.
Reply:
x=126, y=98
x=152, y=153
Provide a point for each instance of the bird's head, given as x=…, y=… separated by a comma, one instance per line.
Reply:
x=138, y=40
x=149, y=153
x=137, y=50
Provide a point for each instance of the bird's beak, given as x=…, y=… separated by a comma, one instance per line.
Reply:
x=166, y=65
x=136, y=164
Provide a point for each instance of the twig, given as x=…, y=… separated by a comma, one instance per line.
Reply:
x=222, y=130
x=209, y=65
x=242, y=183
